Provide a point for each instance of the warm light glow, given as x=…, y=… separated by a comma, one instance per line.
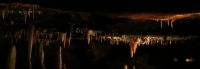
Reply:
x=125, y=67
x=189, y=60
x=175, y=59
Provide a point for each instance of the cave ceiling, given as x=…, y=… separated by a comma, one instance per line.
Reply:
x=94, y=20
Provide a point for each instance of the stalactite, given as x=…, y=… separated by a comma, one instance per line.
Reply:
x=96, y=35
x=131, y=43
x=89, y=33
x=39, y=12
x=11, y=61
x=33, y=11
x=168, y=22
x=16, y=40
x=11, y=22
x=25, y=16
x=70, y=37
x=59, y=58
x=76, y=30
x=30, y=43
x=161, y=23
x=29, y=12
x=117, y=42
x=47, y=42
x=64, y=66
x=3, y=14
x=133, y=46
x=20, y=12
x=50, y=35
x=12, y=11
x=101, y=38
x=172, y=23
x=63, y=36
x=82, y=31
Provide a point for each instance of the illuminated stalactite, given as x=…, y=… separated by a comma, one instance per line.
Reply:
x=139, y=41
x=29, y=12
x=170, y=40
x=131, y=43
x=59, y=58
x=39, y=12
x=11, y=22
x=25, y=16
x=89, y=33
x=63, y=35
x=20, y=12
x=168, y=22
x=30, y=43
x=11, y=61
x=3, y=14
x=172, y=23
x=117, y=42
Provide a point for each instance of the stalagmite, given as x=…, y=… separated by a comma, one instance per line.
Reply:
x=11, y=61
x=125, y=67
x=59, y=58
x=89, y=33
x=42, y=59
x=25, y=16
x=30, y=43
x=3, y=14
x=64, y=66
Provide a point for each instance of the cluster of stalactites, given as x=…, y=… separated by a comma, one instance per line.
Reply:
x=26, y=13
x=147, y=40
x=169, y=22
